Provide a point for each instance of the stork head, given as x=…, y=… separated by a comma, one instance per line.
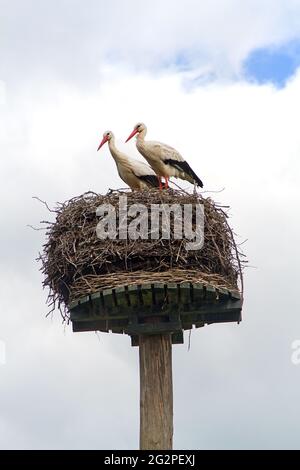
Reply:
x=138, y=129
x=106, y=138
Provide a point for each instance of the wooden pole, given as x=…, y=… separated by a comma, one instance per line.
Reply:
x=156, y=392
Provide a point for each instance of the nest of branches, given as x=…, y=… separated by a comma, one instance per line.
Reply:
x=76, y=262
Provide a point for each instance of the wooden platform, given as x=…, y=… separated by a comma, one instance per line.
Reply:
x=155, y=309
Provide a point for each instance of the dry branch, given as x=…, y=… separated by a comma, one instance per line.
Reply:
x=75, y=262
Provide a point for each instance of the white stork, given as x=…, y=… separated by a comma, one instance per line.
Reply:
x=164, y=160
x=138, y=175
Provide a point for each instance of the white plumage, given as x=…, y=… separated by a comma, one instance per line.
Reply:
x=138, y=175
x=165, y=160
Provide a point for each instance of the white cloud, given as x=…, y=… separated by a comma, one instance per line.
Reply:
x=63, y=39
x=218, y=33
x=77, y=392
x=65, y=390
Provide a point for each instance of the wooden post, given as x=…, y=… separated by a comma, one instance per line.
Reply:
x=156, y=392
x=188, y=304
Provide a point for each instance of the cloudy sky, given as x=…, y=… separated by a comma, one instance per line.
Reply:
x=220, y=81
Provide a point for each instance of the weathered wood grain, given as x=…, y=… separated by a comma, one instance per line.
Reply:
x=156, y=392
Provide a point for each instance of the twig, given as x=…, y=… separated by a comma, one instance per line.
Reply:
x=36, y=228
x=189, y=344
x=45, y=204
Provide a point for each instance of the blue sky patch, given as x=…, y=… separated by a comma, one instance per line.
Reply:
x=273, y=64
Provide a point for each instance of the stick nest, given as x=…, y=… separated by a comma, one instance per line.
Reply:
x=75, y=262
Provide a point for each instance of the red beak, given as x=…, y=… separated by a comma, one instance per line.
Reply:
x=105, y=139
x=135, y=131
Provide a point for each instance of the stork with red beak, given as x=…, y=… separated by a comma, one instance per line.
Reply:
x=138, y=175
x=163, y=159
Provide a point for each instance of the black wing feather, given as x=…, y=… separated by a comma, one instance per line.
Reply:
x=150, y=179
x=185, y=167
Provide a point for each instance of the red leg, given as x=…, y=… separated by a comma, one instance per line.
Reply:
x=166, y=182
x=160, y=183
